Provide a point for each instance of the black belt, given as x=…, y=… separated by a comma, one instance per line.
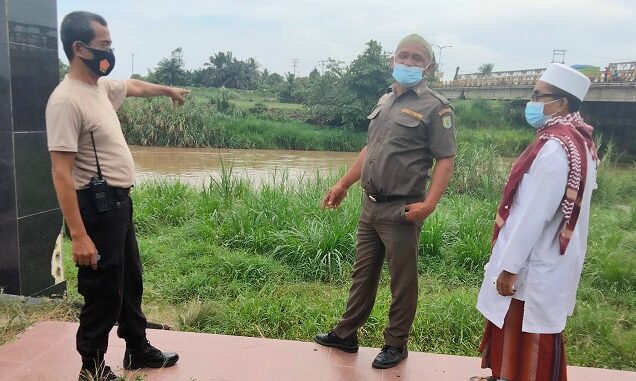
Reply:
x=383, y=198
x=115, y=192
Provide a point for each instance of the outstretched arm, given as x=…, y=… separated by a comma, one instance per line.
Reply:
x=143, y=89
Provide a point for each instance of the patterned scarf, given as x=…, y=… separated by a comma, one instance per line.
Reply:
x=575, y=136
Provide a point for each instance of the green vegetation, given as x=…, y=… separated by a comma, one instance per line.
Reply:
x=218, y=122
x=340, y=96
x=229, y=118
x=269, y=262
x=235, y=259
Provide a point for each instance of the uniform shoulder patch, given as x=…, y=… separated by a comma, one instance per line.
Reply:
x=447, y=121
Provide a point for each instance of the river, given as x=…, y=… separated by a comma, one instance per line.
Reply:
x=196, y=165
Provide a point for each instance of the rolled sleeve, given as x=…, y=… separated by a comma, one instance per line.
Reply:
x=441, y=133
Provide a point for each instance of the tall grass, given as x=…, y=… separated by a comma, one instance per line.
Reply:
x=224, y=119
x=479, y=171
x=507, y=142
x=156, y=122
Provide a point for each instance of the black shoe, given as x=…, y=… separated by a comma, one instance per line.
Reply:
x=102, y=374
x=348, y=344
x=148, y=356
x=389, y=357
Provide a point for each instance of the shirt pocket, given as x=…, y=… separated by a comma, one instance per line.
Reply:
x=405, y=120
x=405, y=131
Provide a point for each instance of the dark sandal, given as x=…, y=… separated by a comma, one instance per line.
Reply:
x=480, y=378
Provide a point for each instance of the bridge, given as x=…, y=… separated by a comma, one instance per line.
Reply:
x=599, y=92
x=610, y=105
x=617, y=83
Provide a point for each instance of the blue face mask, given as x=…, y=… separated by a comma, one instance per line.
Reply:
x=407, y=76
x=534, y=114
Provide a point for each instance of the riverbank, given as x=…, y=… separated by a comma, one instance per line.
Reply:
x=234, y=120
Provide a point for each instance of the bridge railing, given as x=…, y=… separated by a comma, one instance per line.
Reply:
x=615, y=73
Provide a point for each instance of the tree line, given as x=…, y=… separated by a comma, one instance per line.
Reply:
x=342, y=95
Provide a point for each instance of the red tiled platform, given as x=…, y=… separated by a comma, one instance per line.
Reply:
x=46, y=352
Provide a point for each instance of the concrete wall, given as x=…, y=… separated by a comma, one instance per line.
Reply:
x=30, y=219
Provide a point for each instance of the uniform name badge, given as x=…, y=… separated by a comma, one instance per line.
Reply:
x=447, y=121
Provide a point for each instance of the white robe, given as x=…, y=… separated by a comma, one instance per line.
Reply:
x=528, y=245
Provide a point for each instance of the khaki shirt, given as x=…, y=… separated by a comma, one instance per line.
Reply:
x=75, y=109
x=405, y=135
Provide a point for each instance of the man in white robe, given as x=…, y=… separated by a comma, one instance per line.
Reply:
x=540, y=239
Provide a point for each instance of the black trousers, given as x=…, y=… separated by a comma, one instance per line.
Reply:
x=113, y=292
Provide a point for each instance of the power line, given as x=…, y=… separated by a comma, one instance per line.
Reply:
x=558, y=53
x=295, y=62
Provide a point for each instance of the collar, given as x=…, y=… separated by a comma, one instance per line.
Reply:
x=420, y=89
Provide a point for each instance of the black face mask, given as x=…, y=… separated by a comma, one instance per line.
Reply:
x=102, y=63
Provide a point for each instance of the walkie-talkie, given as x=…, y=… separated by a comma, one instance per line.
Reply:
x=98, y=186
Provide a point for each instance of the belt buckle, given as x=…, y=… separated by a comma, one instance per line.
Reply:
x=369, y=196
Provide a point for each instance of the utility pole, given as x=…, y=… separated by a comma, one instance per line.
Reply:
x=132, y=66
x=558, y=53
x=439, y=60
x=295, y=62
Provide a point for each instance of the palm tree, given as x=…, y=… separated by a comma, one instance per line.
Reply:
x=220, y=60
x=170, y=70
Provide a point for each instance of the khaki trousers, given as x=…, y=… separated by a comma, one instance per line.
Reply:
x=383, y=231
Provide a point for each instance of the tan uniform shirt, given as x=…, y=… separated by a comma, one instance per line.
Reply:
x=405, y=135
x=75, y=109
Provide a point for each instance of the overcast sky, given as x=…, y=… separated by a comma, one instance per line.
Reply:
x=513, y=34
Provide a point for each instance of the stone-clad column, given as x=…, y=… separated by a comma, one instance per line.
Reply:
x=30, y=219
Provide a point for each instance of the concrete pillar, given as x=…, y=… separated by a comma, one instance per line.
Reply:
x=30, y=219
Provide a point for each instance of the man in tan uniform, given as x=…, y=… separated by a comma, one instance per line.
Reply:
x=411, y=127
x=93, y=172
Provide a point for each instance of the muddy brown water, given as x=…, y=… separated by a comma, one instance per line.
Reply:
x=196, y=165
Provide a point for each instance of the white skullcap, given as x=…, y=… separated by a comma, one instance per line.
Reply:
x=567, y=79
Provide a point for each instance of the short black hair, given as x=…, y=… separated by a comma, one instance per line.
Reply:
x=574, y=103
x=76, y=26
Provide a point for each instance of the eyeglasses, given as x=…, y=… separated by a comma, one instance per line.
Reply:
x=536, y=97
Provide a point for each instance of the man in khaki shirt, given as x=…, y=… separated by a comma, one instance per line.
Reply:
x=93, y=172
x=411, y=127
